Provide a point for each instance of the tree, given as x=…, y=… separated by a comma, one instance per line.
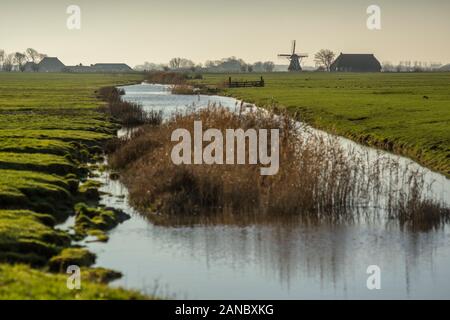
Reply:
x=269, y=66
x=388, y=67
x=258, y=66
x=8, y=62
x=324, y=58
x=186, y=63
x=2, y=57
x=32, y=55
x=210, y=64
x=20, y=59
x=149, y=66
x=35, y=57
x=175, y=63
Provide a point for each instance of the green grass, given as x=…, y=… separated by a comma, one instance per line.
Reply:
x=72, y=256
x=47, y=123
x=29, y=189
x=28, y=237
x=49, y=126
x=23, y=282
x=36, y=162
x=405, y=113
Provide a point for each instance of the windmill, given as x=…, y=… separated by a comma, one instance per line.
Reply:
x=294, y=58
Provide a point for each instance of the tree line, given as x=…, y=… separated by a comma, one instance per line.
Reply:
x=323, y=59
x=411, y=66
x=17, y=60
x=231, y=64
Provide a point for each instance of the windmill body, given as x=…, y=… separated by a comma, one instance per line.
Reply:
x=294, y=65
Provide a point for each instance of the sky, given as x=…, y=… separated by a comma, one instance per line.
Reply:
x=134, y=31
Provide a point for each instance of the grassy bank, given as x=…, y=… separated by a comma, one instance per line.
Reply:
x=49, y=129
x=408, y=114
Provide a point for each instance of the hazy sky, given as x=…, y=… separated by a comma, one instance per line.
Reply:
x=134, y=31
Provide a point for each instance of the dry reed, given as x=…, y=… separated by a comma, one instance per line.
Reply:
x=318, y=179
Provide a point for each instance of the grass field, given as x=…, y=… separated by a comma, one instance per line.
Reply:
x=408, y=114
x=49, y=128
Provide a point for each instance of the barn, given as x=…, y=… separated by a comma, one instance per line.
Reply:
x=111, y=67
x=51, y=64
x=30, y=67
x=356, y=63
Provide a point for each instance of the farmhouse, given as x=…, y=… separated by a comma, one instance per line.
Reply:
x=100, y=67
x=356, y=63
x=50, y=64
x=53, y=64
x=79, y=69
x=111, y=67
x=445, y=68
x=30, y=67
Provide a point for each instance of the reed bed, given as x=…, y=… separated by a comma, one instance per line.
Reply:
x=318, y=179
x=183, y=89
x=126, y=113
x=163, y=77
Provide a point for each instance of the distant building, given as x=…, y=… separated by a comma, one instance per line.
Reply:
x=30, y=67
x=51, y=64
x=111, y=67
x=445, y=68
x=100, y=68
x=79, y=69
x=356, y=63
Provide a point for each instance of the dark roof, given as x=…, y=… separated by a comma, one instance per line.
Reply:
x=51, y=64
x=29, y=65
x=445, y=68
x=356, y=62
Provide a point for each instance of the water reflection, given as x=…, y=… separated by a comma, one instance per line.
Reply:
x=274, y=260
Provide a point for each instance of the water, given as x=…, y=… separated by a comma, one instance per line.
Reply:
x=281, y=260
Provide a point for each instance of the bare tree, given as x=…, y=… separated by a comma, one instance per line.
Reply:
x=32, y=55
x=186, y=63
x=324, y=58
x=2, y=58
x=388, y=67
x=35, y=57
x=8, y=62
x=210, y=64
x=20, y=59
x=175, y=63
x=269, y=66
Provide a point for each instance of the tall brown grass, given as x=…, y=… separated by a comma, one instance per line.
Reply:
x=165, y=77
x=126, y=113
x=414, y=211
x=183, y=89
x=318, y=179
